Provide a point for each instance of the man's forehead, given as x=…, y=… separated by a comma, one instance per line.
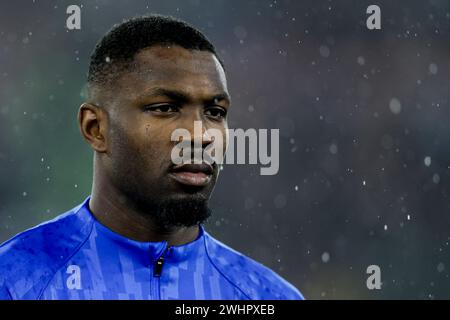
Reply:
x=176, y=67
x=169, y=61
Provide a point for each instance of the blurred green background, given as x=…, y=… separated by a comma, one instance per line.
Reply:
x=363, y=118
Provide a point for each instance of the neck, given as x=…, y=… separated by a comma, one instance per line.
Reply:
x=113, y=210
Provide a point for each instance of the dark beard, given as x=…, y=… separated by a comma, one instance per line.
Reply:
x=168, y=214
x=165, y=213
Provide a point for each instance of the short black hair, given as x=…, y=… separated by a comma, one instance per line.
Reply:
x=116, y=50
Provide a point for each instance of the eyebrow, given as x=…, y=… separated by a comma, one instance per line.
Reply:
x=182, y=97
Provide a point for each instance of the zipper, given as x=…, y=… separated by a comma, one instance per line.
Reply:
x=157, y=270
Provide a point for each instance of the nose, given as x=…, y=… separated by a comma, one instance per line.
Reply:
x=200, y=134
x=200, y=139
x=197, y=138
x=195, y=124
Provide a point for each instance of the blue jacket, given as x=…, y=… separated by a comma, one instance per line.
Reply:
x=75, y=257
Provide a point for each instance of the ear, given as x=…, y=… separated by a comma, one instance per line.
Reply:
x=93, y=124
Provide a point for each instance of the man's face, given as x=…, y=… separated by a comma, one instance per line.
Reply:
x=168, y=88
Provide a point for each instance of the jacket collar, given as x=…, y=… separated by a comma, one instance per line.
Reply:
x=142, y=250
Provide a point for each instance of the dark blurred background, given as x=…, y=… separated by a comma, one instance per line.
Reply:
x=364, y=132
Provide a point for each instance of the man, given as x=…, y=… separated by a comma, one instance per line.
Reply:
x=139, y=235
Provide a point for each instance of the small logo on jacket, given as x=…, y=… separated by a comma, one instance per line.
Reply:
x=74, y=280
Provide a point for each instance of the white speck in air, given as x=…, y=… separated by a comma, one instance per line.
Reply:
x=325, y=257
x=324, y=51
x=433, y=68
x=361, y=61
x=333, y=148
x=395, y=106
x=436, y=178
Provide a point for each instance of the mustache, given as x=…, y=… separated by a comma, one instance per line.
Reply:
x=198, y=156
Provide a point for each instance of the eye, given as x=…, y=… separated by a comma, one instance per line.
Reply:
x=162, y=108
x=216, y=112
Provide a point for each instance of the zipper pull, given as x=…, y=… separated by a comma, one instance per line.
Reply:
x=159, y=264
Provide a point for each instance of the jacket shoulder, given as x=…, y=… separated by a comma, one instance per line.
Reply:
x=255, y=280
x=29, y=260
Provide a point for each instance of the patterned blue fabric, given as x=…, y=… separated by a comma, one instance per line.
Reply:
x=75, y=257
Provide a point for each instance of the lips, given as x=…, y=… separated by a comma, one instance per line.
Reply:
x=198, y=175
